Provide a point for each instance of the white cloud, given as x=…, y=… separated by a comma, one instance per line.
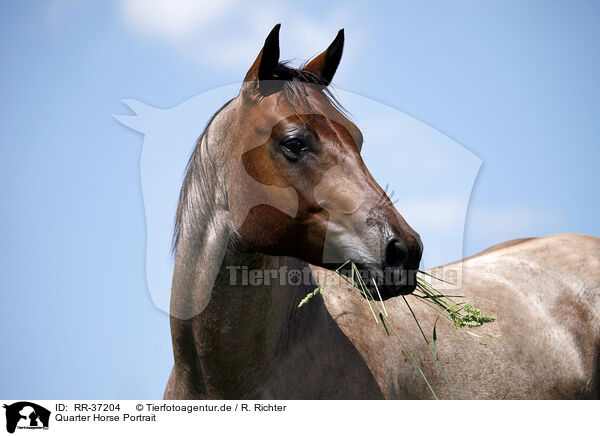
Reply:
x=229, y=33
x=172, y=20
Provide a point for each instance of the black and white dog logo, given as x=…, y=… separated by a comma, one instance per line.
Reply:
x=26, y=415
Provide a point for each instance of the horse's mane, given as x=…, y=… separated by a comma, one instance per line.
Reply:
x=291, y=82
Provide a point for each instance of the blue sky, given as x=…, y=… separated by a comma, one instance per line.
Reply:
x=514, y=82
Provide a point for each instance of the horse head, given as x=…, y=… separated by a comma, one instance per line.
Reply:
x=295, y=180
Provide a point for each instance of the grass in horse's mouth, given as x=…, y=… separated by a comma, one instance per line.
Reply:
x=461, y=314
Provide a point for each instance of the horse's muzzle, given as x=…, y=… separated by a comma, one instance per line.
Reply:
x=400, y=265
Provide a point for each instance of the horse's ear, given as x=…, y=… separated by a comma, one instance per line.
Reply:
x=325, y=65
x=265, y=65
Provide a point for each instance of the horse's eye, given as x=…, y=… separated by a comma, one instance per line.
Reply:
x=293, y=147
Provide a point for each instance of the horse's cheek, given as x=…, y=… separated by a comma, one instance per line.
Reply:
x=266, y=229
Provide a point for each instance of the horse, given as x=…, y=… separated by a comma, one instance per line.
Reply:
x=276, y=184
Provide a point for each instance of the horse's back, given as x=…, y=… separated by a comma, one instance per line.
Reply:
x=545, y=293
x=545, y=343
x=562, y=271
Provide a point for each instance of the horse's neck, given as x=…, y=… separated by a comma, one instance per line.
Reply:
x=248, y=323
x=228, y=350
x=228, y=334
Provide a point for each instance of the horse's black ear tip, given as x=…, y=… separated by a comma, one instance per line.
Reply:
x=274, y=33
x=272, y=40
x=338, y=42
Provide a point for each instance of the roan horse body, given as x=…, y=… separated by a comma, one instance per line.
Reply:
x=259, y=195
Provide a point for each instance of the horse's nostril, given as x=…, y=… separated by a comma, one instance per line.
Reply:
x=396, y=253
